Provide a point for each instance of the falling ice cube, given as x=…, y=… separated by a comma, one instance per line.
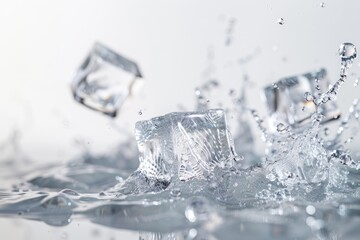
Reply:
x=287, y=102
x=179, y=146
x=104, y=80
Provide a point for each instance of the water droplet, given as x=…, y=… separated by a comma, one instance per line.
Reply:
x=317, y=117
x=281, y=21
x=238, y=158
x=275, y=86
x=197, y=210
x=140, y=112
x=310, y=209
x=308, y=97
x=322, y=4
x=356, y=82
x=176, y=192
x=326, y=131
x=197, y=92
x=271, y=177
x=119, y=179
x=349, y=140
x=347, y=52
x=281, y=127
x=102, y=194
x=69, y=192
x=57, y=202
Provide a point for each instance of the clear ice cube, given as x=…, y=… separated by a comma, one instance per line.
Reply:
x=201, y=141
x=104, y=80
x=287, y=104
x=179, y=147
x=188, y=144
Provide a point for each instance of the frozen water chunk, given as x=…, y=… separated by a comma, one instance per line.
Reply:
x=287, y=102
x=200, y=143
x=179, y=146
x=187, y=145
x=104, y=80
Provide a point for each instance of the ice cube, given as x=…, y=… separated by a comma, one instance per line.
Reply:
x=287, y=104
x=179, y=146
x=104, y=80
x=200, y=142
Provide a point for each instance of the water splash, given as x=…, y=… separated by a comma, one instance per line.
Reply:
x=303, y=188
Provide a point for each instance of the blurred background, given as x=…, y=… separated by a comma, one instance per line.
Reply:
x=178, y=45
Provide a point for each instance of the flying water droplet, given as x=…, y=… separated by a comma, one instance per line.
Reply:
x=140, y=112
x=347, y=52
x=356, y=82
x=322, y=4
x=281, y=21
x=308, y=97
x=197, y=92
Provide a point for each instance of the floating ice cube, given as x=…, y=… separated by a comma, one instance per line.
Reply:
x=104, y=80
x=289, y=101
x=180, y=146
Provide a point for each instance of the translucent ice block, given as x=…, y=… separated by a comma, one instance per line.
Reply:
x=187, y=145
x=178, y=147
x=286, y=102
x=104, y=80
